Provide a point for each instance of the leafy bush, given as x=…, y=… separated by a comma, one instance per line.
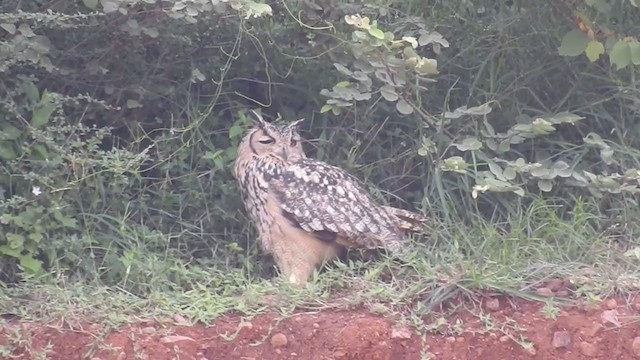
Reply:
x=120, y=119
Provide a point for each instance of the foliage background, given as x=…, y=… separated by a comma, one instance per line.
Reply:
x=120, y=121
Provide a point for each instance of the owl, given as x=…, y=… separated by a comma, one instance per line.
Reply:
x=306, y=211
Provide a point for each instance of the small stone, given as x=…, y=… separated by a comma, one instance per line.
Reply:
x=611, y=304
x=316, y=325
x=492, y=304
x=460, y=339
x=563, y=293
x=450, y=339
x=246, y=324
x=636, y=305
x=339, y=354
x=561, y=339
x=279, y=340
x=610, y=316
x=122, y=356
x=635, y=347
x=532, y=351
x=588, y=349
x=504, y=338
x=544, y=291
x=555, y=284
x=180, y=319
x=594, y=330
x=400, y=331
x=149, y=330
x=170, y=339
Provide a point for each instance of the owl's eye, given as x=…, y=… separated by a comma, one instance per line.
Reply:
x=267, y=140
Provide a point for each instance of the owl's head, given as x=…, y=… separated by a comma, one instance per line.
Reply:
x=265, y=139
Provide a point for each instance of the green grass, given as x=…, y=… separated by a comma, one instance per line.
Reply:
x=512, y=258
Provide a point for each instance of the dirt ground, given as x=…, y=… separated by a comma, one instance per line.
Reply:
x=496, y=328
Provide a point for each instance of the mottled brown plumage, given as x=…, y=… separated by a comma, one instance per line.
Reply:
x=307, y=211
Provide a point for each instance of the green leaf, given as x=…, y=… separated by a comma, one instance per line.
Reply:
x=634, y=48
x=352, y=19
x=10, y=132
x=16, y=241
x=325, y=108
x=600, y=5
x=470, y=143
x=31, y=91
x=5, y=219
x=540, y=172
x=10, y=28
x=505, y=145
x=109, y=6
x=31, y=264
x=455, y=163
x=545, y=185
x=132, y=104
x=91, y=4
x=388, y=93
x=432, y=37
x=565, y=117
x=151, y=32
x=620, y=55
x=423, y=151
x=235, y=131
x=541, y=126
x=411, y=40
x=403, y=107
x=510, y=173
x=426, y=66
x=376, y=33
x=209, y=155
x=41, y=150
x=573, y=43
x=5, y=250
x=7, y=151
x=69, y=222
x=473, y=111
x=496, y=170
x=255, y=9
x=594, y=50
x=41, y=114
x=36, y=236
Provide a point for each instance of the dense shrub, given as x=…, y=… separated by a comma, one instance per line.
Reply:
x=120, y=118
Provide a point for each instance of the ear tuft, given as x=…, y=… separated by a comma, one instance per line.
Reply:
x=257, y=119
x=295, y=124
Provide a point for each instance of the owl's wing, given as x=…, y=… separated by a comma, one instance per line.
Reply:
x=328, y=202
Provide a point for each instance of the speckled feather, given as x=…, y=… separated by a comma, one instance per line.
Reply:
x=323, y=198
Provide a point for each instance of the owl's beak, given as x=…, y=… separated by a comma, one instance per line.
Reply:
x=284, y=153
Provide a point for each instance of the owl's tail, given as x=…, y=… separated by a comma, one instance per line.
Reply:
x=407, y=220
